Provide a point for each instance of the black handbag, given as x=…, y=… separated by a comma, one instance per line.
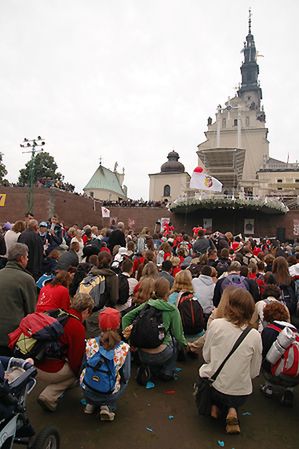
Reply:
x=202, y=387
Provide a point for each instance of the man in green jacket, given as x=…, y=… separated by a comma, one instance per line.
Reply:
x=161, y=359
x=18, y=293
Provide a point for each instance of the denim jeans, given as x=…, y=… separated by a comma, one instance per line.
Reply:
x=163, y=362
x=99, y=399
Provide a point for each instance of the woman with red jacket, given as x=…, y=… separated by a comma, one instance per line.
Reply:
x=55, y=294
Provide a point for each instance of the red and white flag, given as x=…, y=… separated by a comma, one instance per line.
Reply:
x=203, y=181
x=105, y=212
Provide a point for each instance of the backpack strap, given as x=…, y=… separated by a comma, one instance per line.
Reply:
x=236, y=345
x=275, y=328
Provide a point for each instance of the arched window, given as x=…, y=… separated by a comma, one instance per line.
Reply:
x=166, y=190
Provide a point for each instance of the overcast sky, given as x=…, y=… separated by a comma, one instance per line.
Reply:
x=130, y=80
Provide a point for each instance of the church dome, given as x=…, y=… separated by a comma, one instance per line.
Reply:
x=172, y=165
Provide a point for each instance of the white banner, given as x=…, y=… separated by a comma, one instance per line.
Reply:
x=105, y=212
x=202, y=181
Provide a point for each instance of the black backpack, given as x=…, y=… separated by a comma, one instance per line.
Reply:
x=191, y=313
x=123, y=289
x=148, y=329
x=288, y=297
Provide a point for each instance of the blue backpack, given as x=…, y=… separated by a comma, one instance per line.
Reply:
x=100, y=372
x=235, y=280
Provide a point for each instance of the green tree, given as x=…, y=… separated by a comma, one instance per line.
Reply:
x=3, y=171
x=44, y=166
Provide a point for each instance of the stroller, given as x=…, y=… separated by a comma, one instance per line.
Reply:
x=15, y=427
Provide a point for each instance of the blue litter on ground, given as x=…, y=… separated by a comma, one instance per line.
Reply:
x=83, y=402
x=149, y=429
x=149, y=385
x=246, y=414
x=170, y=417
x=178, y=370
x=220, y=443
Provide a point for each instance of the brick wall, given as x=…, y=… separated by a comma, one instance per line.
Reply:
x=72, y=208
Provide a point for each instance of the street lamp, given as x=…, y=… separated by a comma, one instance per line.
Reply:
x=33, y=146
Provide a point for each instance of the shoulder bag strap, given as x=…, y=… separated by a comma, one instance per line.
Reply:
x=236, y=345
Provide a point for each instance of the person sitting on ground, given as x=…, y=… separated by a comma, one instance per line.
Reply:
x=55, y=294
x=69, y=258
x=271, y=293
x=165, y=272
x=233, y=385
x=126, y=272
x=182, y=283
x=233, y=270
x=110, y=346
x=175, y=261
x=203, y=288
x=276, y=315
x=161, y=359
x=212, y=257
x=61, y=374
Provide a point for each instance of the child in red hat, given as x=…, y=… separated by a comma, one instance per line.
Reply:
x=107, y=367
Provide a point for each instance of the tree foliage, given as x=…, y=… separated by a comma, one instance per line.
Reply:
x=3, y=171
x=44, y=166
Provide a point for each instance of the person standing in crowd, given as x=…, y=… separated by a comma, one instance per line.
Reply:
x=18, y=293
x=62, y=373
x=34, y=243
x=78, y=238
x=233, y=385
x=12, y=235
x=117, y=237
x=201, y=244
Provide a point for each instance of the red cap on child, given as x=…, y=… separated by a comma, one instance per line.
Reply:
x=109, y=319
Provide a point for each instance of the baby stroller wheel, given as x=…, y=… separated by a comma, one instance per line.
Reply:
x=48, y=438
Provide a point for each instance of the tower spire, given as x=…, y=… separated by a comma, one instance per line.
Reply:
x=249, y=21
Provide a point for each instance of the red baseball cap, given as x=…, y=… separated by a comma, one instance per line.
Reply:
x=109, y=319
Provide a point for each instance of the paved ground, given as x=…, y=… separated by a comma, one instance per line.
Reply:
x=265, y=425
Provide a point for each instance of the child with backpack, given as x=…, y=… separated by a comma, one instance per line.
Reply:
x=107, y=367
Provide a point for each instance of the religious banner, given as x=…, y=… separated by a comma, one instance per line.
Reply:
x=248, y=226
x=105, y=212
x=113, y=221
x=2, y=199
x=203, y=181
x=164, y=221
x=296, y=227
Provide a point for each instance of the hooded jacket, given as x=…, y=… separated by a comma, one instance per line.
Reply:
x=17, y=299
x=203, y=287
x=171, y=320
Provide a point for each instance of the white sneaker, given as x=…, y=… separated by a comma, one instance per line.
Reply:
x=106, y=414
x=89, y=409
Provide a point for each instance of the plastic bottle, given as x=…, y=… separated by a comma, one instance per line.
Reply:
x=280, y=345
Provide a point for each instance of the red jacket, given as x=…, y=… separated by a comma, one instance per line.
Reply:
x=53, y=297
x=73, y=339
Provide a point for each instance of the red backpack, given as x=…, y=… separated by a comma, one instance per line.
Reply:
x=288, y=364
x=191, y=313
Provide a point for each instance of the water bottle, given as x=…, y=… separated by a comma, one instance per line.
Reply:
x=280, y=345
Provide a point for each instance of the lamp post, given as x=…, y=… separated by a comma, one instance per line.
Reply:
x=33, y=146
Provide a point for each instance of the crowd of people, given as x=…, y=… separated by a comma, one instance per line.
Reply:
x=114, y=297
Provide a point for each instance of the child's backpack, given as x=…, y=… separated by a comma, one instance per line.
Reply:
x=191, y=313
x=148, y=328
x=100, y=372
x=123, y=288
x=288, y=297
x=288, y=364
x=236, y=281
x=38, y=335
x=94, y=285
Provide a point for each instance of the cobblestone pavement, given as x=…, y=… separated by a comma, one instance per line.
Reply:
x=154, y=419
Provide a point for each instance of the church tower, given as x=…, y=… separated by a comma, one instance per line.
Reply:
x=237, y=146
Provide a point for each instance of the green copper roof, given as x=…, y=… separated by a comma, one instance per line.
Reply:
x=103, y=178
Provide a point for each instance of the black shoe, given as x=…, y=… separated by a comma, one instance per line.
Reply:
x=287, y=398
x=143, y=375
x=165, y=377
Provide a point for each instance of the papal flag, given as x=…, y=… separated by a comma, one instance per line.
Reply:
x=105, y=212
x=203, y=181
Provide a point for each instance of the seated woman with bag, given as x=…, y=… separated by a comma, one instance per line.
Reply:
x=231, y=341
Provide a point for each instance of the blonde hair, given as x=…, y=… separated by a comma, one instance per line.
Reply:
x=150, y=270
x=219, y=311
x=175, y=261
x=82, y=301
x=182, y=282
